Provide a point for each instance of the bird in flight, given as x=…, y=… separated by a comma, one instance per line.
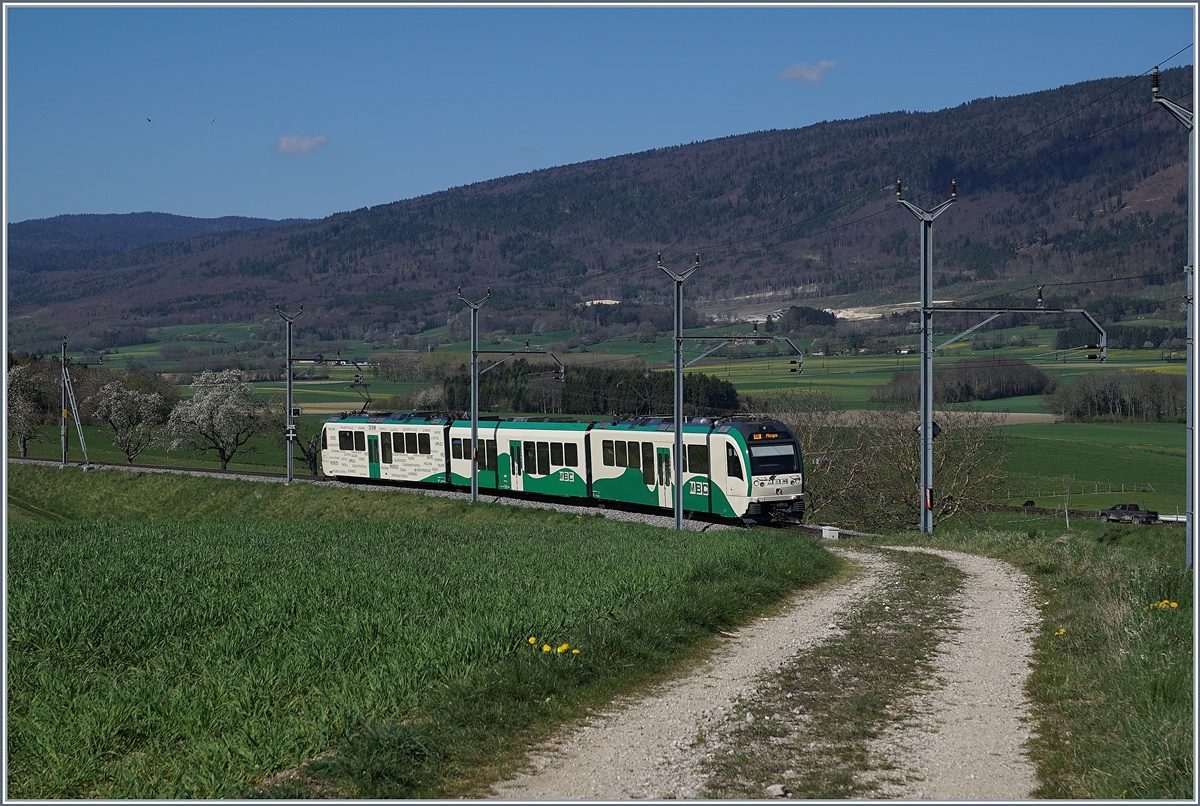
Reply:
x=147, y=120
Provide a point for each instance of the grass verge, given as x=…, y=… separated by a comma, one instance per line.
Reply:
x=1112, y=689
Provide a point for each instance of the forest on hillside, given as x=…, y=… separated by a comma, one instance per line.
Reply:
x=1080, y=190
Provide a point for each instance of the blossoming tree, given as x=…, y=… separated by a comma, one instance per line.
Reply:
x=222, y=416
x=131, y=419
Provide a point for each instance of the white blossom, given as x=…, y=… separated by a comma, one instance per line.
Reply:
x=222, y=416
x=131, y=419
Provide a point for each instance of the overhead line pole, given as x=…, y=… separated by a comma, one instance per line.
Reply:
x=475, y=306
x=68, y=397
x=1187, y=118
x=289, y=425
x=678, y=467
x=925, y=494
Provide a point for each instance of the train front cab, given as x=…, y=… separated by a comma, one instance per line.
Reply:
x=764, y=471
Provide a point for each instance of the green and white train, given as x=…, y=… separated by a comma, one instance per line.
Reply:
x=746, y=469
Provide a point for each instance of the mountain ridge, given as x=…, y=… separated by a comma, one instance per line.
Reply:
x=796, y=214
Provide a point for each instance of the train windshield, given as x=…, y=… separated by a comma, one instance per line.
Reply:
x=773, y=460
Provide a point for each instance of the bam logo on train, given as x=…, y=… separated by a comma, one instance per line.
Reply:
x=734, y=468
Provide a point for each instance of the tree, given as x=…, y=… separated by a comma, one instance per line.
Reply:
x=24, y=412
x=862, y=469
x=222, y=416
x=131, y=419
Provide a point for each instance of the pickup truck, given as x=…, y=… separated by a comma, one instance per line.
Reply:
x=1128, y=512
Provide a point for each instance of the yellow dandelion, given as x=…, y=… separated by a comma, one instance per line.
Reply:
x=563, y=648
x=1174, y=604
x=533, y=639
x=1063, y=631
x=574, y=651
x=545, y=647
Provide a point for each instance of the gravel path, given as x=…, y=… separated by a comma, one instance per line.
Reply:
x=966, y=742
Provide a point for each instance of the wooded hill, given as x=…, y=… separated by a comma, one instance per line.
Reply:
x=1060, y=188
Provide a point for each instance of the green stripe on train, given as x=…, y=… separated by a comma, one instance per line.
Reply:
x=628, y=487
x=565, y=482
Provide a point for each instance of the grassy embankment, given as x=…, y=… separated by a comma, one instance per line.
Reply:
x=174, y=637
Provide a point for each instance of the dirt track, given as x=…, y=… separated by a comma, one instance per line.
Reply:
x=965, y=743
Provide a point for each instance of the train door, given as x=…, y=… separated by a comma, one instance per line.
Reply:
x=373, y=455
x=735, y=472
x=515, y=459
x=666, y=497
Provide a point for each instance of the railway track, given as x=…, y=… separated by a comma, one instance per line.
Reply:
x=195, y=471
x=606, y=508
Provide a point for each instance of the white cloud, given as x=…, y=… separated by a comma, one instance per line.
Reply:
x=300, y=143
x=805, y=73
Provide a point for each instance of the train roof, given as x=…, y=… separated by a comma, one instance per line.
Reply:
x=748, y=426
x=389, y=418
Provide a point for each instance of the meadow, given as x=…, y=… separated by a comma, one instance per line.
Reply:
x=1093, y=465
x=204, y=635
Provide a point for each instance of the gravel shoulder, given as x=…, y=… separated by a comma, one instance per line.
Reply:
x=963, y=739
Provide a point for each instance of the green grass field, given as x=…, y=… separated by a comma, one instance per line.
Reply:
x=1099, y=464
x=173, y=637
x=177, y=637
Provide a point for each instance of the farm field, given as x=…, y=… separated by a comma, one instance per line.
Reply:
x=204, y=635
x=1100, y=464
x=288, y=621
x=1096, y=459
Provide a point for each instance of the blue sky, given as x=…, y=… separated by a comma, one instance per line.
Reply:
x=305, y=111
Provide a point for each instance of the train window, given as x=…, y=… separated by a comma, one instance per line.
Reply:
x=346, y=440
x=648, y=463
x=572, y=454
x=622, y=454
x=398, y=442
x=607, y=450
x=770, y=460
x=531, y=457
x=385, y=449
x=324, y=438
x=489, y=455
x=733, y=460
x=360, y=441
x=543, y=458
x=635, y=459
x=696, y=459
x=556, y=454
x=410, y=442
x=456, y=448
